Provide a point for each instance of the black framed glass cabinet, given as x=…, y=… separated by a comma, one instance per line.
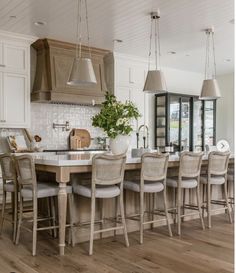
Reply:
x=184, y=122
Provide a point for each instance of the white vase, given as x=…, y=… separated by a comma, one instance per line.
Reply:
x=120, y=144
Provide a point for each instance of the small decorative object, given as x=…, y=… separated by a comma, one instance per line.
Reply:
x=115, y=119
x=35, y=144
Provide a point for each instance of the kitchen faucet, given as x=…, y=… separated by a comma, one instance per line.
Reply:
x=145, y=136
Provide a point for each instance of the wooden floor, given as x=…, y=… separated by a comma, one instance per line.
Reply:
x=209, y=251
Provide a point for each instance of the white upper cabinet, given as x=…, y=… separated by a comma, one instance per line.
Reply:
x=15, y=57
x=14, y=80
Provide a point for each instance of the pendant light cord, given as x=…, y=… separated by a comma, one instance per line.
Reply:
x=214, y=56
x=150, y=46
x=158, y=39
x=78, y=32
x=87, y=25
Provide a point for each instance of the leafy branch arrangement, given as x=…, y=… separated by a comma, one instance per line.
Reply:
x=115, y=117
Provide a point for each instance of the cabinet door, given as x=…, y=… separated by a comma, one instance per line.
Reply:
x=122, y=93
x=2, y=111
x=16, y=101
x=14, y=58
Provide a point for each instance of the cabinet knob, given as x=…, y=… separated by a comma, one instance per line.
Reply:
x=3, y=120
x=2, y=65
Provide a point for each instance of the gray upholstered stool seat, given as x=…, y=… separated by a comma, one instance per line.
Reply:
x=187, y=183
x=9, y=186
x=102, y=191
x=215, y=180
x=149, y=186
x=43, y=190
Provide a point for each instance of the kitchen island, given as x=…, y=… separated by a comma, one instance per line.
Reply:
x=77, y=166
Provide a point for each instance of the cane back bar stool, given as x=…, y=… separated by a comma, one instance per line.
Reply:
x=107, y=182
x=152, y=181
x=216, y=175
x=188, y=178
x=30, y=188
x=9, y=186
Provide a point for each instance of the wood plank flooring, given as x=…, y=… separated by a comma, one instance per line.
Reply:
x=197, y=251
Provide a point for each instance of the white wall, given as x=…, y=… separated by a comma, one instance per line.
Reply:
x=225, y=109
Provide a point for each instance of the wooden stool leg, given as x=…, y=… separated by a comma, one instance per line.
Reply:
x=141, y=215
x=52, y=205
x=179, y=210
x=101, y=208
x=166, y=212
x=92, y=225
x=116, y=214
x=203, y=199
x=227, y=202
x=122, y=212
x=35, y=224
x=15, y=210
x=199, y=205
x=153, y=197
x=19, y=220
x=175, y=203
x=183, y=209
x=209, y=204
x=3, y=210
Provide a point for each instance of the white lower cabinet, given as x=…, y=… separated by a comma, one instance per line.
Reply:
x=14, y=99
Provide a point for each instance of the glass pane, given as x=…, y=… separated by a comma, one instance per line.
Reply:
x=161, y=122
x=197, y=126
x=185, y=124
x=209, y=123
x=174, y=122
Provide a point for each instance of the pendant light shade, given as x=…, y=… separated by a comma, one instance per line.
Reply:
x=155, y=82
x=82, y=72
x=210, y=88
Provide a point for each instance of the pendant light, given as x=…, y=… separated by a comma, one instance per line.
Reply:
x=210, y=88
x=82, y=72
x=155, y=81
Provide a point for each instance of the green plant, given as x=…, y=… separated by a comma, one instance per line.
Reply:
x=115, y=117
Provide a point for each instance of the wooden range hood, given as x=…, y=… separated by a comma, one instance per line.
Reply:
x=54, y=61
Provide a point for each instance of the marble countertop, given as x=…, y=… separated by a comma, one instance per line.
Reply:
x=84, y=158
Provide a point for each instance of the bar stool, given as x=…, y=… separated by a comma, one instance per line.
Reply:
x=107, y=182
x=9, y=186
x=152, y=181
x=30, y=188
x=217, y=175
x=188, y=178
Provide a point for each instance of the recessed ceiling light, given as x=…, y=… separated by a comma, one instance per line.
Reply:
x=171, y=52
x=118, y=41
x=187, y=55
x=40, y=23
x=12, y=16
x=227, y=60
x=231, y=21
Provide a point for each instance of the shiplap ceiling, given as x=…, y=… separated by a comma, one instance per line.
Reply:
x=181, y=24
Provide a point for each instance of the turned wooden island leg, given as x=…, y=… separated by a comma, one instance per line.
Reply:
x=62, y=177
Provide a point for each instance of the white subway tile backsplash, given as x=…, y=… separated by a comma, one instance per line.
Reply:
x=43, y=116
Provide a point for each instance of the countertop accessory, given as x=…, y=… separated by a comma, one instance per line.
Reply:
x=82, y=72
x=155, y=80
x=79, y=138
x=65, y=126
x=210, y=88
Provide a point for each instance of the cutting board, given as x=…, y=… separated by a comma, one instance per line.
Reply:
x=79, y=138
